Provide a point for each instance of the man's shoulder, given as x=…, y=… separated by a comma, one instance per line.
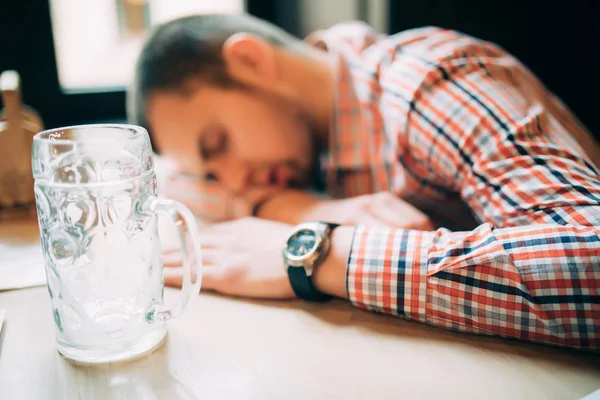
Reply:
x=436, y=45
x=357, y=35
x=408, y=62
x=430, y=44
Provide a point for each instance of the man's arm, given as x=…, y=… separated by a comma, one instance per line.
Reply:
x=376, y=209
x=532, y=269
x=211, y=200
x=539, y=283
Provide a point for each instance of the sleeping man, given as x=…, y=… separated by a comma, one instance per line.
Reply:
x=458, y=191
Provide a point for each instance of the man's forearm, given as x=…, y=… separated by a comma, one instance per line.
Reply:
x=293, y=207
x=522, y=282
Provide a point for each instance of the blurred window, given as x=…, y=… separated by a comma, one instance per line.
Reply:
x=97, y=41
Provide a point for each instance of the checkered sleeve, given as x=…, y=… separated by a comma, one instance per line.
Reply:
x=531, y=270
x=538, y=283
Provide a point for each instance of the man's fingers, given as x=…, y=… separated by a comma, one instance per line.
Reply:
x=210, y=241
x=171, y=250
x=397, y=213
x=206, y=242
x=171, y=257
x=212, y=231
x=370, y=221
x=174, y=278
x=425, y=225
x=210, y=257
x=390, y=211
x=172, y=263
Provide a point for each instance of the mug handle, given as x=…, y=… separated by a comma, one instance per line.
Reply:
x=191, y=254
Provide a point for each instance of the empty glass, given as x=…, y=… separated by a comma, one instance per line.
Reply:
x=95, y=190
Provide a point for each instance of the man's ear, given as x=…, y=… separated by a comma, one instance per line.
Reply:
x=250, y=59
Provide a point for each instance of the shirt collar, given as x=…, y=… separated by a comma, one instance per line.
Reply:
x=357, y=140
x=348, y=140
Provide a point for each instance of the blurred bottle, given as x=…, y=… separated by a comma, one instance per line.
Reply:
x=18, y=125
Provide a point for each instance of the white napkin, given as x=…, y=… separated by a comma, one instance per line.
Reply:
x=592, y=396
x=21, y=266
x=2, y=313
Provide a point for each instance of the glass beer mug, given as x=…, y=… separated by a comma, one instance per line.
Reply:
x=95, y=191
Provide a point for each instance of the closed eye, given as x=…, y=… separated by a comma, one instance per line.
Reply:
x=212, y=142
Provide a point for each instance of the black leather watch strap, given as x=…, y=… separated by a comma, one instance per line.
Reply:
x=302, y=284
x=331, y=225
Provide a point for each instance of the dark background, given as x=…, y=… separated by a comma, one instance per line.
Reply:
x=559, y=41
x=27, y=46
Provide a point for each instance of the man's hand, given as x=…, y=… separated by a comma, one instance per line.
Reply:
x=241, y=258
x=383, y=209
x=211, y=200
x=244, y=258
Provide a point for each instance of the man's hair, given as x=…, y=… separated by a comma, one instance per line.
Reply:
x=186, y=51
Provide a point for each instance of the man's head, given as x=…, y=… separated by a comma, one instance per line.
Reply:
x=230, y=96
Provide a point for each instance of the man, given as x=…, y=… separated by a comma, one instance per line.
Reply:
x=427, y=128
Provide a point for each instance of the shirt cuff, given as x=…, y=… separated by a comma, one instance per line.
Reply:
x=387, y=271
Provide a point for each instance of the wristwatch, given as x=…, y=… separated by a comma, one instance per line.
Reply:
x=305, y=249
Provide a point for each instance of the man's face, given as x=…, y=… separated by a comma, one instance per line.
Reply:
x=241, y=138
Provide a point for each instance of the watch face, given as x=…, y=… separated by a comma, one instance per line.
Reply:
x=302, y=243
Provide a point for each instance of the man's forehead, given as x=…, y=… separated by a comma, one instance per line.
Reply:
x=175, y=130
x=168, y=110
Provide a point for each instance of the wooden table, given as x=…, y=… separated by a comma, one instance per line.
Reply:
x=223, y=348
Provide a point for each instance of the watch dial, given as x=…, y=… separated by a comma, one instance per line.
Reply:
x=301, y=243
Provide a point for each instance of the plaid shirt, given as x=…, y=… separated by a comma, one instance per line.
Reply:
x=459, y=128
x=462, y=130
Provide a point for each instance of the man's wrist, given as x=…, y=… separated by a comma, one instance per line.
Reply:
x=256, y=208
x=330, y=276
